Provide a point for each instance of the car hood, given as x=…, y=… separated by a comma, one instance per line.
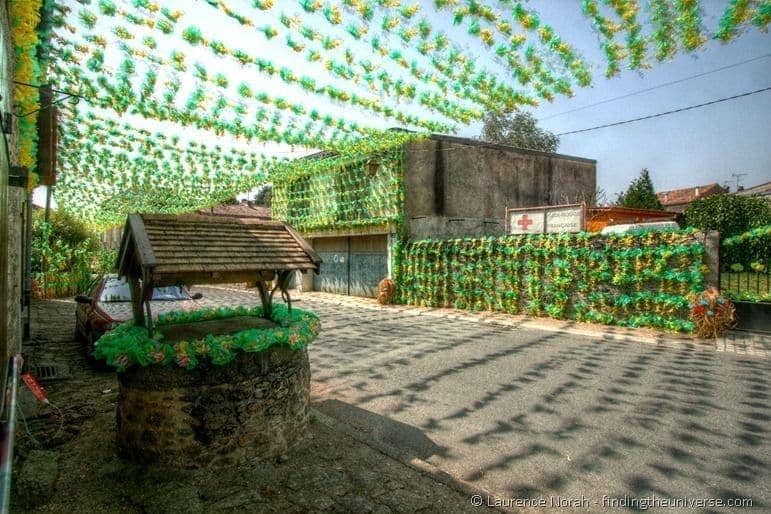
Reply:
x=121, y=311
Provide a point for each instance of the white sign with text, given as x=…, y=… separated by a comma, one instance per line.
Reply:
x=546, y=220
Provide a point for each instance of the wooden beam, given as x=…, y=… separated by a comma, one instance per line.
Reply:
x=142, y=242
x=304, y=245
x=136, y=300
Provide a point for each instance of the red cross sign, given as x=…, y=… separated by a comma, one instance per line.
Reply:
x=524, y=221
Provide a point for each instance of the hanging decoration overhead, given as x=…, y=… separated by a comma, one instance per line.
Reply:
x=216, y=95
x=25, y=20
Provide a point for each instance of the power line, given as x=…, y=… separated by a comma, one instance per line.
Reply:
x=654, y=87
x=666, y=113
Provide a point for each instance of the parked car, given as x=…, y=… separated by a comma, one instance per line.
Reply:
x=109, y=305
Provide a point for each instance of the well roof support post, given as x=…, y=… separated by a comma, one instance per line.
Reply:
x=282, y=283
x=149, y=318
x=266, y=296
x=136, y=300
x=147, y=295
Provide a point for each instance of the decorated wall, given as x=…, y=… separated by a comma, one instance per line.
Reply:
x=636, y=280
x=336, y=194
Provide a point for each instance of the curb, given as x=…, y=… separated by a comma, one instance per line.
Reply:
x=424, y=468
x=511, y=320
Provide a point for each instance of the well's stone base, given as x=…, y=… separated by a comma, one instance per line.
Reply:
x=254, y=407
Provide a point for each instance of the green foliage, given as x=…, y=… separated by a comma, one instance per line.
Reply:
x=129, y=345
x=745, y=262
x=730, y=215
x=519, y=129
x=104, y=261
x=62, y=255
x=633, y=280
x=640, y=194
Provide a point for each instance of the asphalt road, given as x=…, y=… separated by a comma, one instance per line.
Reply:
x=526, y=413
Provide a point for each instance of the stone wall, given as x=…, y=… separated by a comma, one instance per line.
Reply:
x=214, y=416
x=11, y=212
x=452, y=184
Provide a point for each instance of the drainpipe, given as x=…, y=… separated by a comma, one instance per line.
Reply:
x=7, y=432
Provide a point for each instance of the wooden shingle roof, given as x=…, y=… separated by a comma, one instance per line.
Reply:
x=194, y=248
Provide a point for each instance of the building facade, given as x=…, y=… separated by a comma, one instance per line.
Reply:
x=13, y=212
x=760, y=191
x=354, y=211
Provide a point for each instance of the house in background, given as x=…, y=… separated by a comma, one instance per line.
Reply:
x=677, y=200
x=355, y=210
x=759, y=191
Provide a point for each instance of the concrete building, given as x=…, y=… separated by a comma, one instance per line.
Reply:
x=440, y=187
x=677, y=200
x=759, y=191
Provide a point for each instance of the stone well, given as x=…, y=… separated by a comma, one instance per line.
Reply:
x=254, y=407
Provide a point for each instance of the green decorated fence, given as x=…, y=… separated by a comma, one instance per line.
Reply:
x=745, y=266
x=635, y=280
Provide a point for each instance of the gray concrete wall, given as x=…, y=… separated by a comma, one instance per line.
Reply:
x=443, y=227
x=453, y=178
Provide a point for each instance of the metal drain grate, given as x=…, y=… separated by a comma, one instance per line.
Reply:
x=50, y=372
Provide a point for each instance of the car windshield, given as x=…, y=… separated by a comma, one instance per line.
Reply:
x=117, y=290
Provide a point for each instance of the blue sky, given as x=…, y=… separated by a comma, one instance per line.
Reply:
x=685, y=149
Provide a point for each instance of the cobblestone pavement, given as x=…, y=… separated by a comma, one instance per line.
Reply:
x=526, y=410
x=540, y=409
x=74, y=467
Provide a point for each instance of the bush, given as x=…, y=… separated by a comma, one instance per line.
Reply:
x=104, y=261
x=62, y=255
x=730, y=215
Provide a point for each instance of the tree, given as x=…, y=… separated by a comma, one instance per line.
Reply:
x=263, y=195
x=518, y=129
x=640, y=194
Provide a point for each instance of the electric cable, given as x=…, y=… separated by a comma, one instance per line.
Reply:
x=719, y=100
x=59, y=414
x=655, y=87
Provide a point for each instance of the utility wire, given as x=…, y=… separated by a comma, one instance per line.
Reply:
x=666, y=113
x=654, y=87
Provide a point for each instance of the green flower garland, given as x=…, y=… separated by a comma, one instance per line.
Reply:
x=631, y=280
x=128, y=345
x=341, y=193
x=25, y=17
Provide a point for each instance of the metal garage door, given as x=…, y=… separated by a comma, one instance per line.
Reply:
x=352, y=265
